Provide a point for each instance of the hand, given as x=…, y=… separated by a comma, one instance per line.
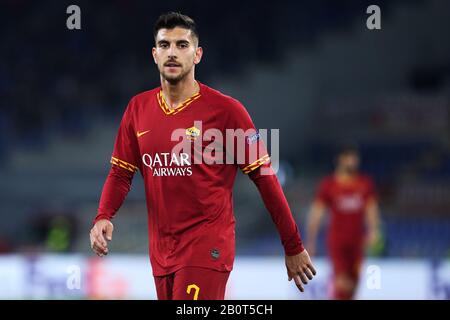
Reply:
x=300, y=268
x=100, y=232
x=312, y=251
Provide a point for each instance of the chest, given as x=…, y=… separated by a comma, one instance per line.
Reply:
x=158, y=132
x=349, y=199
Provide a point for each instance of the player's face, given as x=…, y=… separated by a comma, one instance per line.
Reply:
x=348, y=162
x=176, y=53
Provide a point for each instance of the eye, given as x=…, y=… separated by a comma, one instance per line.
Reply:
x=183, y=45
x=164, y=45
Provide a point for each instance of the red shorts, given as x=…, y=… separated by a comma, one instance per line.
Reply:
x=346, y=257
x=192, y=283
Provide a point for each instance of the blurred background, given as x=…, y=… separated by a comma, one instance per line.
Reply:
x=309, y=68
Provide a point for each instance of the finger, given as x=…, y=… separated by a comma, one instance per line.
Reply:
x=308, y=273
x=93, y=235
x=96, y=247
x=99, y=251
x=92, y=240
x=99, y=235
x=101, y=248
x=96, y=250
x=303, y=277
x=298, y=283
x=288, y=274
x=96, y=244
x=311, y=267
x=99, y=239
x=108, y=232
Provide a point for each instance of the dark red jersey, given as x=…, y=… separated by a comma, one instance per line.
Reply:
x=189, y=169
x=347, y=203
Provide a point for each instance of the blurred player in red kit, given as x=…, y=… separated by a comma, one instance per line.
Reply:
x=354, y=221
x=189, y=203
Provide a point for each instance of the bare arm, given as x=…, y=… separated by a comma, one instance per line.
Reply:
x=314, y=220
x=373, y=222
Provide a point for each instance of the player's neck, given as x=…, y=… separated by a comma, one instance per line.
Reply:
x=177, y=93
x=345, y=176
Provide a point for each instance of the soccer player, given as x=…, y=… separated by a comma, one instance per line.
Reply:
x=190, y=213
x=354, y=221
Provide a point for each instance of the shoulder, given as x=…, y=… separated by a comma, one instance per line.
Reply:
x=144, y=96
x=326, y=181
x=366, y=182
x=140, y=100
x=137, y=103
x=366, y=179
x=221, y=100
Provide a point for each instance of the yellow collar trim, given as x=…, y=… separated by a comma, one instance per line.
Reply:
x=168, y=111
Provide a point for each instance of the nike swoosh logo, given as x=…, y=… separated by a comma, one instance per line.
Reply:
x=140, y=134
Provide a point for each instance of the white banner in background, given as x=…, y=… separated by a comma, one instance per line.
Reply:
x=264, y=278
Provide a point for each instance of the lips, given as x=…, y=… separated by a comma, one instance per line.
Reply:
x=172, y=64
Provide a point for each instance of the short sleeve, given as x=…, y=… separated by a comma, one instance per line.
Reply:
x=126, y=150
x=249, y=151
x=322, y=193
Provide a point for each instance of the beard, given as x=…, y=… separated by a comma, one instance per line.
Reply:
x=174, y=79
x=350, y=170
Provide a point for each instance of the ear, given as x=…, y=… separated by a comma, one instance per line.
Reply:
x=154, y=55
x=198, y=55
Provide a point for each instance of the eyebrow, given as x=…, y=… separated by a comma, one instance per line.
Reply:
x=163, y=41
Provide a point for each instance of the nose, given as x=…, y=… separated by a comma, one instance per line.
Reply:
x=172, y=52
